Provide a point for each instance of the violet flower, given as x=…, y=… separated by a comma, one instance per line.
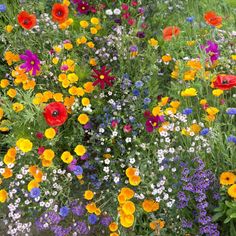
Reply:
x=153, y=122
x=212, y=50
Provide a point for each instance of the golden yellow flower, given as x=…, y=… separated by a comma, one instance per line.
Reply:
x=93, y=30
x=189, y=92
x=4, y=83
x=94, y=21
x=68, y=46
x=113, y=226
x=90, y=44
x=88, y=195
x=72, y=77
x=3, y=195
x=217, y=92
x=153, y=42
x=17, y=107
x=25, y=145
x=48, y=154
x=83, y=119
x=9, y=28
x=50, y=133
x=212, y=111
x=232, y=191
x=92, y=62
x=227, y=178
x=84, y=24
x=157, y=224
x=1, y=113
x=11, y=93
x=85, y=102
x=67, y=157
x=80, y=150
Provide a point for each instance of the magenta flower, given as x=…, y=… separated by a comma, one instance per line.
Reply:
x=102, y=77
x=153, y=123
x=32, y=62
x=83, y=7
x=212, y=50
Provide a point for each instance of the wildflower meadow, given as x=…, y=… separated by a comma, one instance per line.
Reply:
x=118, y=117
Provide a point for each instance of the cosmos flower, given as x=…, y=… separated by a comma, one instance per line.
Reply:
x=55, y=114
x=102, y=77
x=32, y=62
x=83, y=7
x=212, y=50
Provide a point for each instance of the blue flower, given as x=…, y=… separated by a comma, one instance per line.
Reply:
x=35, y=192
x=78, y=170
x=136, y=92
x=231, y=138
x=204, y=131
x=64, y=211
x=231, y=111
x=147, y=100
x=3, y=7
x=138, y=84
x=92, y=219
x=187, y=111
x=190, y=19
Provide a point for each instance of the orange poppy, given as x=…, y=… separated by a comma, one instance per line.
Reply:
x=26, y=20
x=212, y=18
x=170, y=31
x=60, y=12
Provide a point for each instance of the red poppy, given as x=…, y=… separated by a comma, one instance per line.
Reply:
x=60, y=12
x=170, y=31
x=102, y=77
x=55, y=114
x=212, y=18
x=225, y=82
x=26, y=20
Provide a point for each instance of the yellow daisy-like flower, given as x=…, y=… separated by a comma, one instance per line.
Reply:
x=153, y=42
x=3, y=195
x=67, y=157
x=50, y=133
x=25, y=145
x=227, y=178
x=80, y=150
x=189, y=92
x=17, y=107
x=83, y=119
x=232, y=191
x=88, y=195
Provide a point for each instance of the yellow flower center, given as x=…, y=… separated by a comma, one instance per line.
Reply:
x=102, y=77
x=83, y=8
x=32, y=62
x=155, y=124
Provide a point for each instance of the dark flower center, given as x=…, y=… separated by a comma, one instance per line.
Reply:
x=227, y=178
x=59, y=13
x=224, y=82
x=55, y=113
x=26, y=21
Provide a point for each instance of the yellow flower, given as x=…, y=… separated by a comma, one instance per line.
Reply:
x=189, y=75
x=195, y=128
x=55, y=60
x=11, y=93
x=66, y=2
x=227, y=178
x=127, y=193
x=94, y=21
x=80, y=150
x=88, y=87
x=203, y=102
x=67, y=157
x=113, y=226
x=25, y=145
x=166, y=58
x=88, y=195
x=189, y=92
x=128, y=208
x=217, y=92
x=68, y=46
x=1, y=113
x=153, y=42
x=85, y=102
x=93, y=30
x=150, y=205
x=190, y=43
x=32, y=184
x=17, y=107
x=157, y=224
x=212, y=111
x=157, y=111
x=232, y=191
x=48, y=154
x=90, y=44
x=7, y=173
x=58, y=97
x=175, y=104
x=84, y=24
x=134, y=180
x=127, y=220
x=57, y=49
x=233, y=57
x=195, y=64
x=9, y=28
x=73, y=90
x=92, y=62
x=83, y=119
x=3, y=195
x=72, y=77
x=4, y=83
x=50, y=133
x=114, y=234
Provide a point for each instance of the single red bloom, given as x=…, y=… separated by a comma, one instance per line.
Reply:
x=170, y=31
x=225, y=82
x=83, y=7
x=26, y=20
x=55, y=114
x=212, y=18
x=102, y=77
x=60, y=12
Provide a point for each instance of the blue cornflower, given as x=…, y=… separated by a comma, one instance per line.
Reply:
x=35, y=192
x=3, y=8
x=138, y=84
x=147, y=100
x=187, y=111
x=78, y=170
x=231, y=138
x=231, y=111
x=190, y=19
x=136, y=92
x=64, y=211
x=92, y=219
x=204, y=131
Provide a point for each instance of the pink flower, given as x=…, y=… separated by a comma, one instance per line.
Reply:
x=131, y=21
x=39, y=135
x=114, y=124
x=41, y=150
x=127, y=128
x=125, y=7
x=134, y=3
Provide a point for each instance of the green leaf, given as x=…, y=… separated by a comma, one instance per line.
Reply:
x=233, y=216
x=232, y=229
x=217, y=216
x=227, y=220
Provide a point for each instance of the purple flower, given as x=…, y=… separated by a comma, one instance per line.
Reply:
x=78, y=170
x=140, y=34
x=35, y=192
x=81, y=228
x=92, y=219
x=231, y=111
x=231, y=138
x=78, y=210
x=106, y=220
x=187, y=111
x=83, y=7
x=153, y=122
x=64, y=211
x=204, y=131
x=212, y=50
x=32, y=62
